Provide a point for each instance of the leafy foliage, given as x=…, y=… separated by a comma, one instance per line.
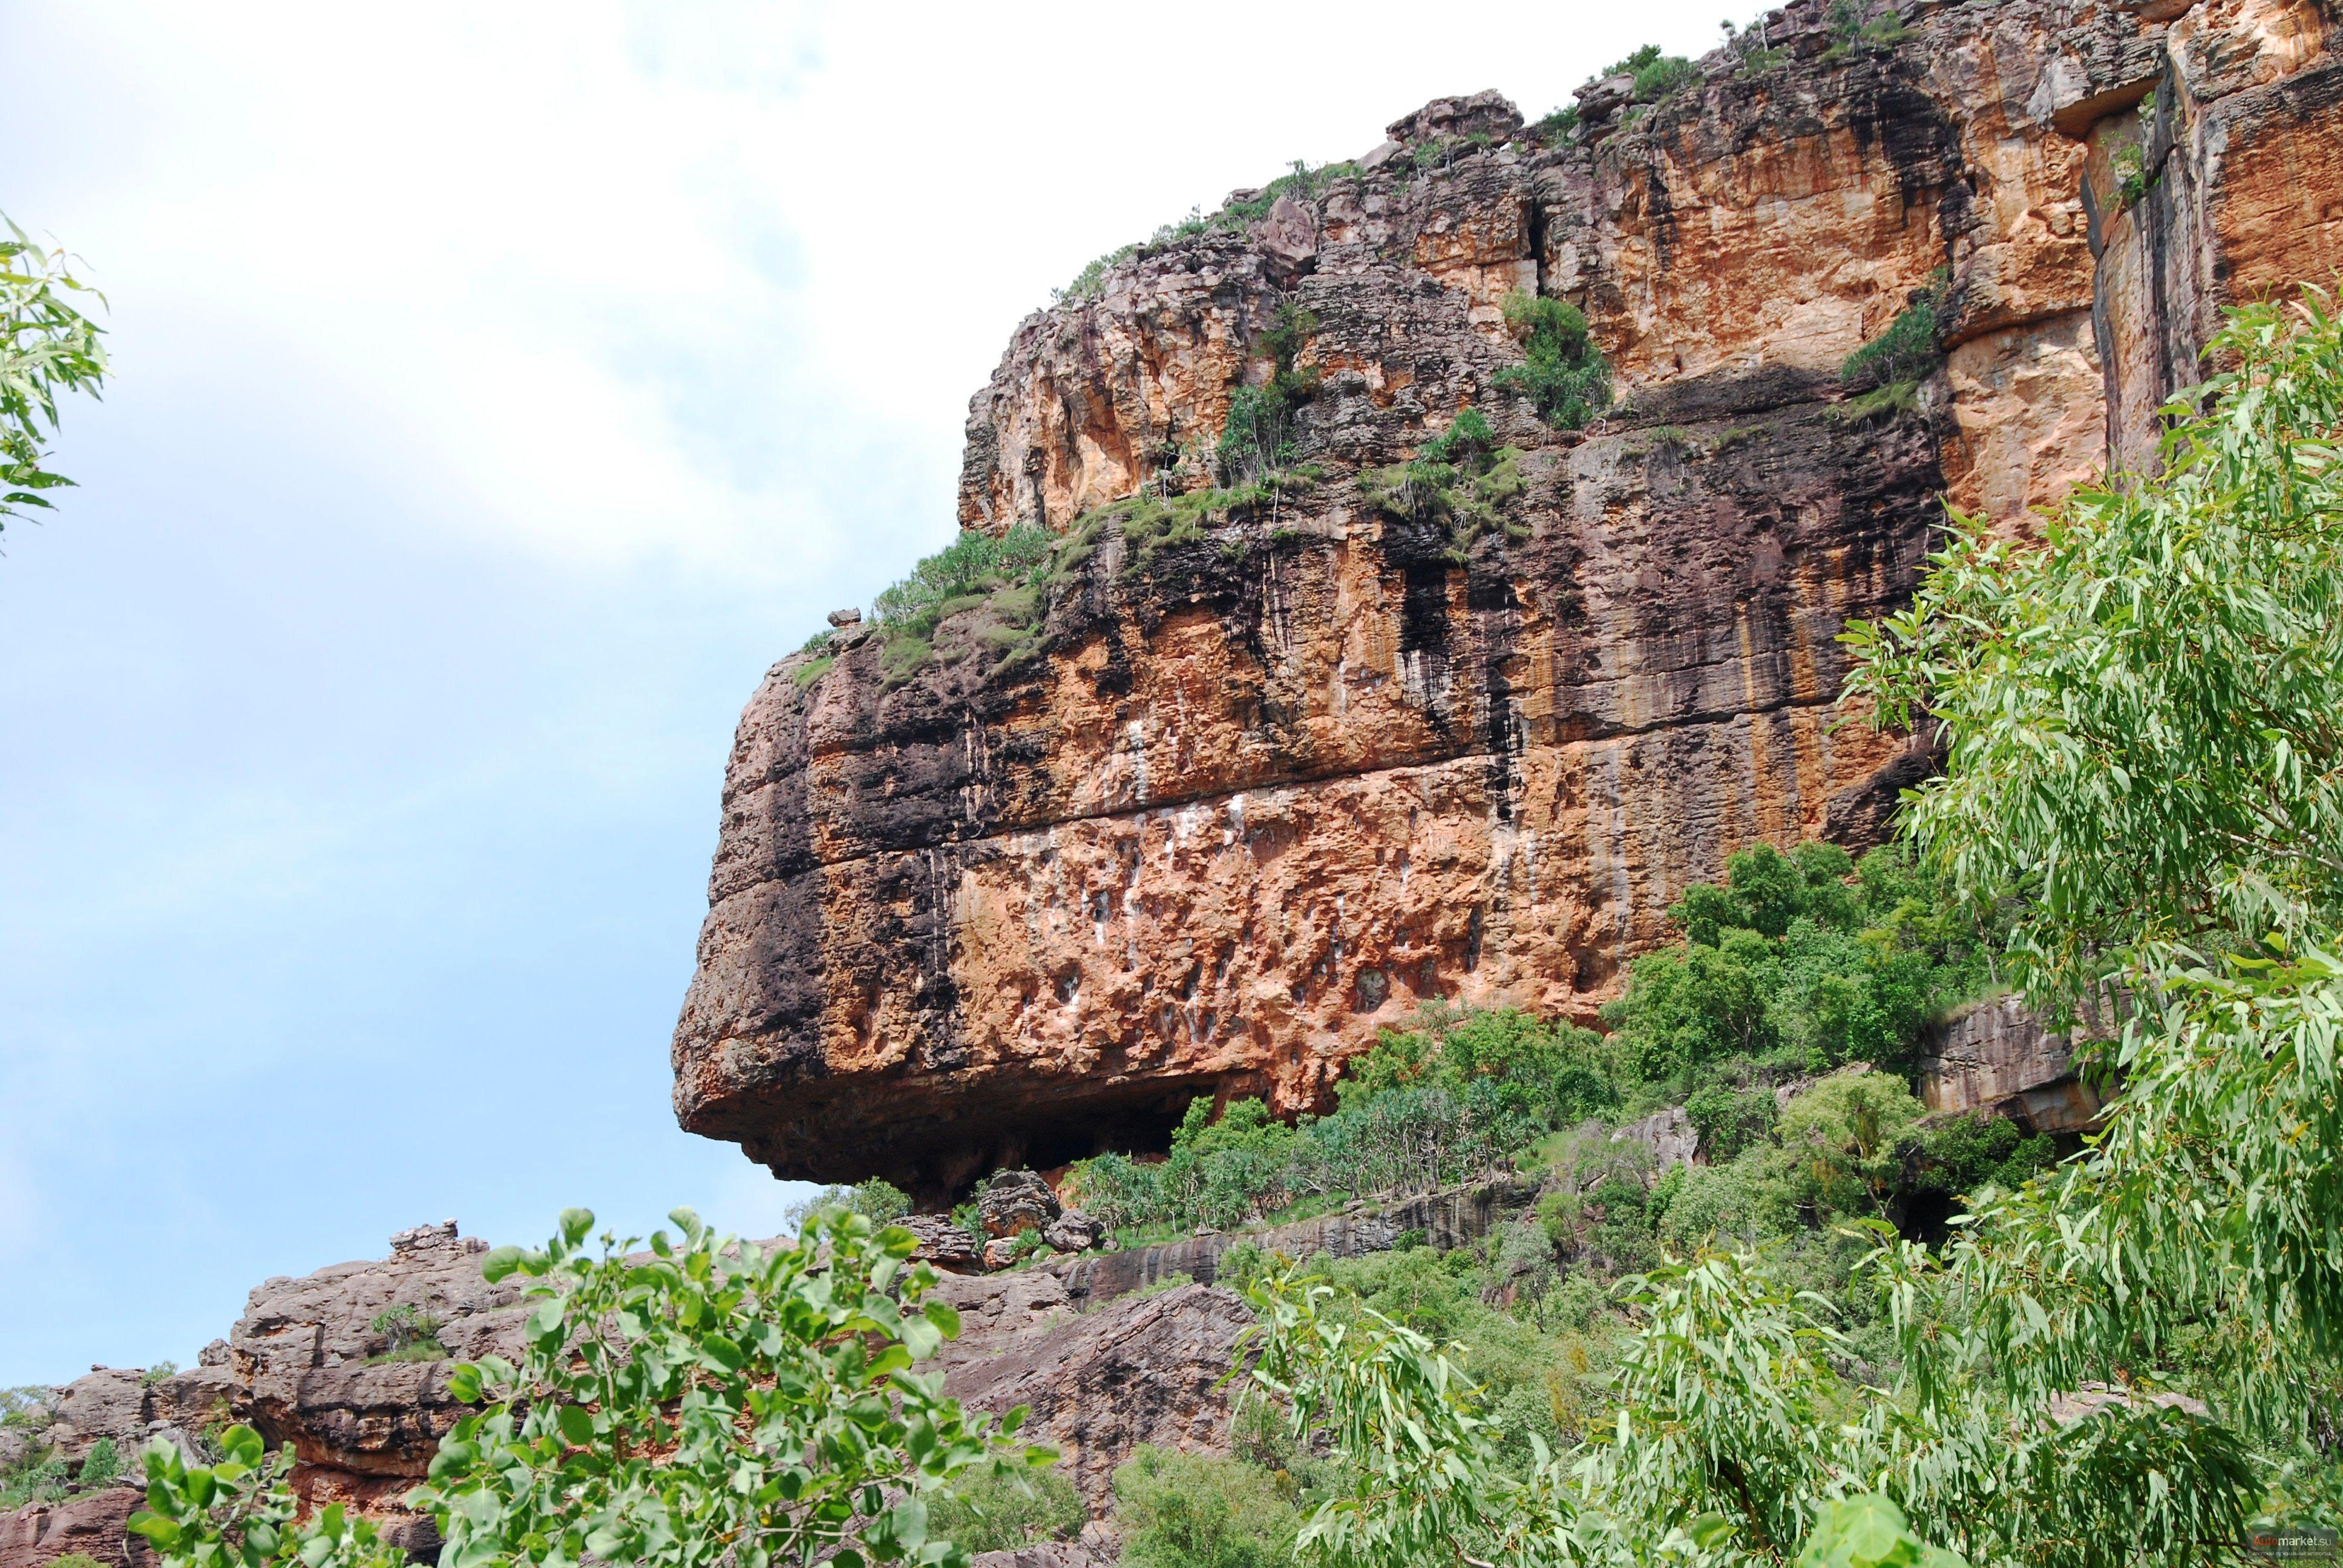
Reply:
x=1002, y=1509
x=1420, y=1109
x=2141, y=719
x=1556, y=126
x=879, y=1201
x=1258, y=435
x=48, y=348
x=1008, y=577
x=40, y=1476
x=1200, y=1511
x=1459, y=481
x=1892, y=365
x=2142, y=711
x=711, y=1402
x=1787, y=963
x=2092, y=690
x=1563, y=373
x=1850, y=31
x=409, y=1333
x=100, y=1467
x=1656, y=75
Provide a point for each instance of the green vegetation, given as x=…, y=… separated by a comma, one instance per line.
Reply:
x=1557, y=126
x=2131, y=160
x=40, y=1476
x=879, y=1201
x=1007, y=578
x=1258, y=435
x=1459, y=480
x=48, y=348
x=2139, y=814
x=409, y=1333
x=1893, y=364
x=1656, y=75
x=100, y=1467
x=75, y=1560
x=1301, y=181
x=1849, y=31
x=158, y=1372
x=1002, y=1509
x=1794, y=965
x=709, y=1401
x=1424, y=1107
x=1878, y=404
x=1789, y=968
x=1198, y=1511
x=1563, y=374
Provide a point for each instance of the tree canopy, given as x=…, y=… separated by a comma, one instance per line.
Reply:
x=48, y=348
x=2142, y=783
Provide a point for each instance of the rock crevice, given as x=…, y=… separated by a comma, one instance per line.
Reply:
x=1246, y=788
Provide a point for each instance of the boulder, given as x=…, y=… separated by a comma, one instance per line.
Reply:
x=1668, y=1135
x=942, y=1241
x=1074, y=1231
x=1015, y=1201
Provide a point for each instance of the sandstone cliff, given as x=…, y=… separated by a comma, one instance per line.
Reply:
x=1235, y=797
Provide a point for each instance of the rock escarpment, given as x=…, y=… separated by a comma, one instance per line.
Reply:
x=306, y=1366
x=1218, y=801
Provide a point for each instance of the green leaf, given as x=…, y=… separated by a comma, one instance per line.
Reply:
x=576, y=1425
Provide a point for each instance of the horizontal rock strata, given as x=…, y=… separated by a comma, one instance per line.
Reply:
x=1211, y=810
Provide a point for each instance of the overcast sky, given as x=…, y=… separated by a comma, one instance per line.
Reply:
x=499, y=390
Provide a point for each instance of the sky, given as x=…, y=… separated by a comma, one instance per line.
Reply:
x=497, y=391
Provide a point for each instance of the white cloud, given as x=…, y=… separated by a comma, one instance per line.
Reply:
x=711, y=282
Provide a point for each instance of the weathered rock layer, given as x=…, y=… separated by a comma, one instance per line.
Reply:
x=1258, y=791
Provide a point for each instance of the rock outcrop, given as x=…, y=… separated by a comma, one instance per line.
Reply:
x=1999, y=1056
x=1221, y=801
x=1144, y=1369
x=302, y=1367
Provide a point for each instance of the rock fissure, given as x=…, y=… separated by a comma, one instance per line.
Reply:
x=1348, y=762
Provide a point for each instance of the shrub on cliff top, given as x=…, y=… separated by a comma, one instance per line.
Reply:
x=1656, y=75
x=1563, y=373
x=1007, y=574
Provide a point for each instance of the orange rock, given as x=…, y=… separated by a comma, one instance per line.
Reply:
x=1240, y=799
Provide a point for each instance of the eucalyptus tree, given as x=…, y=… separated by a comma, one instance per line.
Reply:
x=2143, y=716
x=48, y=348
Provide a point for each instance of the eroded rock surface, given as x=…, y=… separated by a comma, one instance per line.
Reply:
x=1242, y=800
x=298, y=1367
x=1145, y=1368
x=1999, y=1056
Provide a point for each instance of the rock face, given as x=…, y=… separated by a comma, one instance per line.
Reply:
x=297, y=1368
x=1231, y=801
x=1142, y=1369
x=1999, y=1056
x=1456, y=1217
